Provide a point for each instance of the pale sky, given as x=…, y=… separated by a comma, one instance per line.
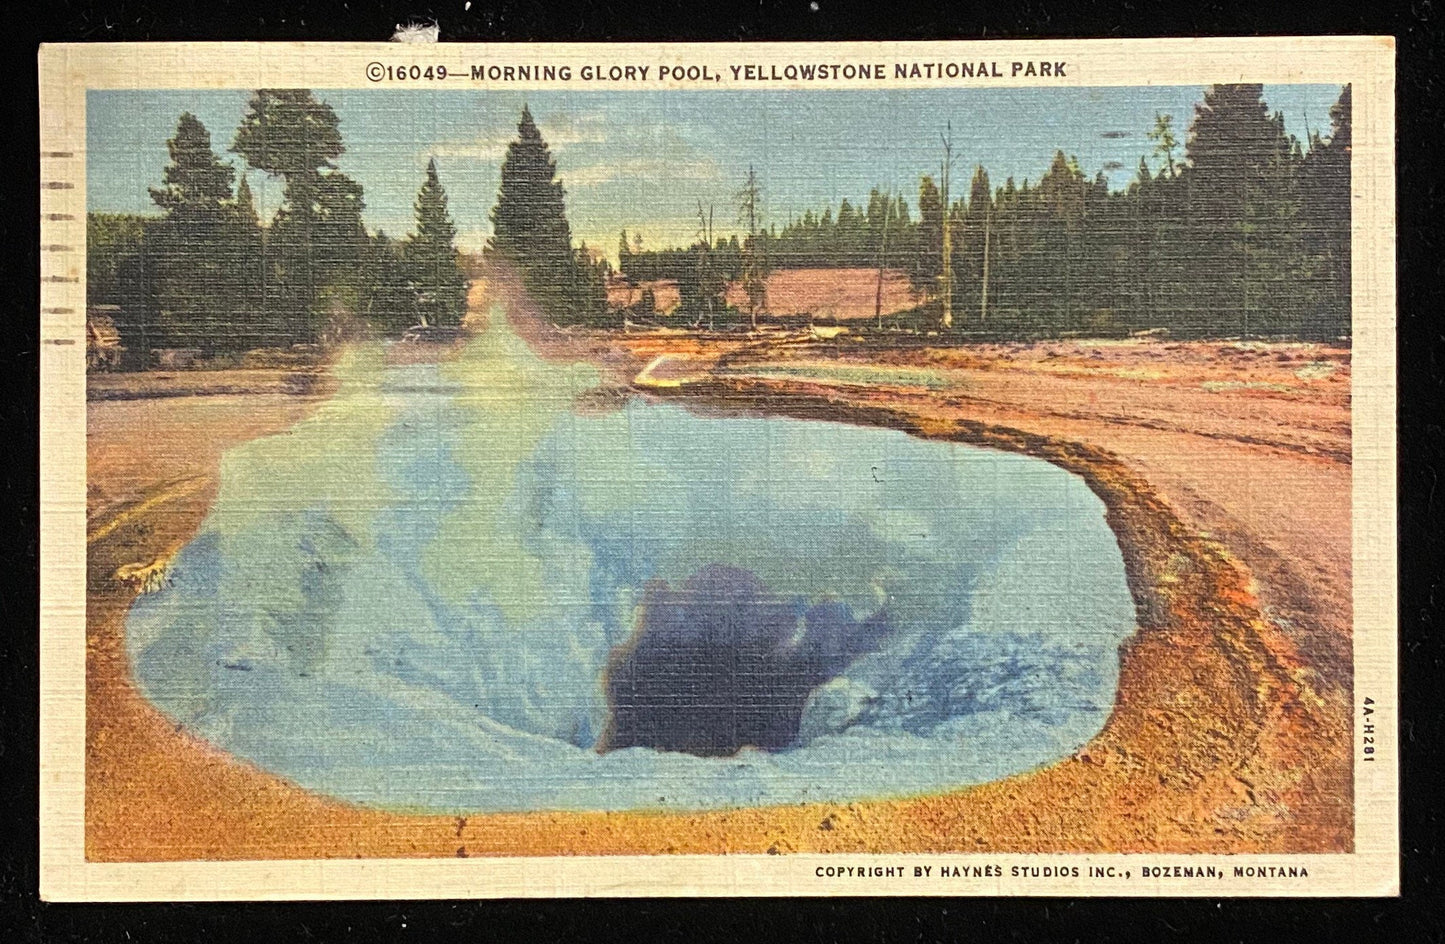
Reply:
x=643, y=160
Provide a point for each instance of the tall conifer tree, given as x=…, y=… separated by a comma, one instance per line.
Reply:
x=432, y=254
x=530, y=230
x=1325, y=222
x=193, y=248
x=197, y=183
x=1241, y=206
x=315, y=240
x=928, y=265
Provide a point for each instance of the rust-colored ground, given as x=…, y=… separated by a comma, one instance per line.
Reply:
x=665, y=296
x=841, y=294
x=1226, y=472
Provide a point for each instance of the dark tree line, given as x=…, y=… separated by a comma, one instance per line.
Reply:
x=208, y=274
x=725, y=255
x=1243, y=231
x=1248, y=235
x=850, y=240
x=1246, y=231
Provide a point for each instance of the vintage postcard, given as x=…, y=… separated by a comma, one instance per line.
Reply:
x=849, y=469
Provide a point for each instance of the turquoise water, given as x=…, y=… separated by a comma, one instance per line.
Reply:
x=411, y=600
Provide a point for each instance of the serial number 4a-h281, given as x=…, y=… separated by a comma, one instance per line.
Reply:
x=1367, y=730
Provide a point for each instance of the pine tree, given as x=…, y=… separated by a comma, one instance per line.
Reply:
x=1061, y=193
x=529, y=221
x=1325, y=222
x=1165, y=143
x=1233, y=136
x=337, y=249
x=1241, y=208
x=1145, y=177
x=245, y=205
x=389, y=300
x=193, y=248
x=314, y=250
x=197, y=182
x=624, y=252
x=432, y=255
x=120, y=273
x=851, y=242
x=289, y=134
x=928, y=258
x=530, y=230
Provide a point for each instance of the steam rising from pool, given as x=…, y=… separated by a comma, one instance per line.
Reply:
x=450, y=589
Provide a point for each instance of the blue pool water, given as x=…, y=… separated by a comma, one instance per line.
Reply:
x=457, y=587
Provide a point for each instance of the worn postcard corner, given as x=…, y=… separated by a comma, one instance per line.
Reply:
x=866, y=468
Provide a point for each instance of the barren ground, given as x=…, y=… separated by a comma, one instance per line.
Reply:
x=841, y=294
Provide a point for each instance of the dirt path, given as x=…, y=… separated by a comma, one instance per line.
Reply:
x=1230, y=732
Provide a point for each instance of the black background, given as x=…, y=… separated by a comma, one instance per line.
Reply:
x=1413, y=917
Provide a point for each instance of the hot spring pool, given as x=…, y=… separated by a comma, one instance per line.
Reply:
x=455, y=589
